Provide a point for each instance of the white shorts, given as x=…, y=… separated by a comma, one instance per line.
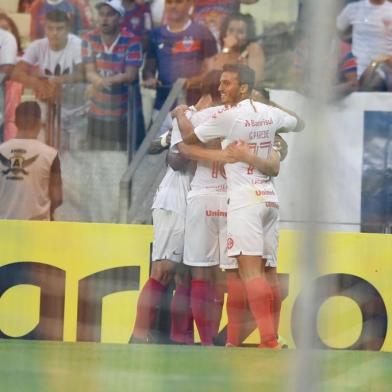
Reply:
x=253, y=231
x=205, y=231
x=169, y=229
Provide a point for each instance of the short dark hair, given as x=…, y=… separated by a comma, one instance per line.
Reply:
x=210, y=84
x=245, y=74
x=237, y=16
x=27, y=115
x=57, y=16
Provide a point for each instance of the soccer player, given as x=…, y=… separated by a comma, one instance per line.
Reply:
x=252, y=212
x=168, y=212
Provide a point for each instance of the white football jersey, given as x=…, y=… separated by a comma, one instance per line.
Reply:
x=209, y=177
x=25, y=167
x=256, y=124
x=173, y=190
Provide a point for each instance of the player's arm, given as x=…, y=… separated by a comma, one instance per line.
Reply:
x=218, y=126
x=198, y=152
x=240, y=152
x=176, y=161
x=186, y=127
x=55, y=186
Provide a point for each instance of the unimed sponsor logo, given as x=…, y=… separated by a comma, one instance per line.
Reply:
x=216, y=213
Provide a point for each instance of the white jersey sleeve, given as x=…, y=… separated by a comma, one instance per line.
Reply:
x=219, y=125
x=31, y=54
x=284, y=122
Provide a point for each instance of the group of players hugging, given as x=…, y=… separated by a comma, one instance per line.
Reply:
x=216, y=215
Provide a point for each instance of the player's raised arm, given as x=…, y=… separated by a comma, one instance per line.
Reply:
x=185, y=126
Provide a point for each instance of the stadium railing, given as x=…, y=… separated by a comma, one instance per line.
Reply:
x=125, y=184
x=55, y=128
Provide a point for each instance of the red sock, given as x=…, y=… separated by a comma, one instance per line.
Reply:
x=147, y=307
x=260, y=302
x=276, y=305
x=218, y=296
x=236, y=307
x=181, y=315
x=201, y=302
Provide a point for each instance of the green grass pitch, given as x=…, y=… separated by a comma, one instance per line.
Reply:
x=91, y=367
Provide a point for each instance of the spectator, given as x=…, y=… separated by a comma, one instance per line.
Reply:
x=213, y=13
x=137, y=18
x=8, y=24
x=40, y=8
x=341, y=65
x=83, y=7
x=50, y=62
x=8, y=52
x=25, y=6
x=346, y=74
x=30, y=176
x=13, y=90
x=237, y=40
x=112, y=58
x=177, y=49
x=371, y=24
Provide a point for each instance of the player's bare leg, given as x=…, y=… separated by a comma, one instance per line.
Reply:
x=162, y=272
x=259, y=297
x=181, y=313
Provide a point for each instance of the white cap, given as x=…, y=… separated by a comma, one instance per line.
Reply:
x=115, y=4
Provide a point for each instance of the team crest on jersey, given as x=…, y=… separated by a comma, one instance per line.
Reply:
x=188, y=44
x=16, y=165
x=135, y=21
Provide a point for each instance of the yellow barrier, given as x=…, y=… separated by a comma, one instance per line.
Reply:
x=76, y=281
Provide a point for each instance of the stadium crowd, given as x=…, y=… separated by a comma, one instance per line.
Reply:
x=176, y=39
